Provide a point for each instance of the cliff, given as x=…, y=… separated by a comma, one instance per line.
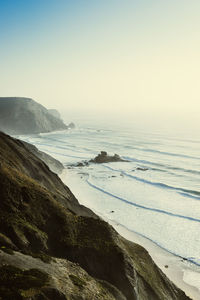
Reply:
x=26, y=116
x=51, y=247
x=54, y=165
x=55, y=113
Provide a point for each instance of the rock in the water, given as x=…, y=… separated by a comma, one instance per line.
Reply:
x=71, y=125
x=80, y=164
x=103, y=157
x=26, y=116
x=141, y=169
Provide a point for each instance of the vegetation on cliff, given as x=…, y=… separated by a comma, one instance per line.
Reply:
x=45, y=231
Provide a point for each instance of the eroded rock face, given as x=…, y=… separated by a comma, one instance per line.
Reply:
x=79, y=256
x=26, y=116
x=58, y=279
x=54, y=165
x=54, y=113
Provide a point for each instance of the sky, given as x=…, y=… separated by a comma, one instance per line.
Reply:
x=134, y=57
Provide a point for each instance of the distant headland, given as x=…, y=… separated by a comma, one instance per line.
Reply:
x=19, y=115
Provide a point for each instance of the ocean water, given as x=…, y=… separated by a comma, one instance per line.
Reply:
x=161, y=203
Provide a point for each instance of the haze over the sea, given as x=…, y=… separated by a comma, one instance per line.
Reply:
x=131, y=57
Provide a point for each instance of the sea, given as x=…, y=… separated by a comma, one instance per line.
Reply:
x=155, y=193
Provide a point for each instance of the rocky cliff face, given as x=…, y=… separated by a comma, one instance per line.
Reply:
x=54, y=113
x=25, y=116
x=54, y=165
x=51, y=247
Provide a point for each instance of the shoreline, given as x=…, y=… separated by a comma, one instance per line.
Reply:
x=182, y=273
x=172, y=266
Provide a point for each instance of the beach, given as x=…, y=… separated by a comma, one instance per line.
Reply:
x=183, y=273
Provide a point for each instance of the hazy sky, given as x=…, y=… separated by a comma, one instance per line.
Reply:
x=119, y=55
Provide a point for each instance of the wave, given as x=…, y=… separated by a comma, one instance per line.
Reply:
x=67, y=155
x=189, y=259
x=67, y=145
x=160, y=185
x=167, y=153
x=155, y=210
x=161, y=165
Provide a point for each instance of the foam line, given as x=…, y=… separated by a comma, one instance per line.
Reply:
x=142, y=206
x=167, y=153
x=62, y=154
x=189, y=259
x=159, y=184
x=196, y=172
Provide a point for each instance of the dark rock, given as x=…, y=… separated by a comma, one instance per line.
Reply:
x=103, y=153
x=6, y=242
x=80, y=164
x=49, y=294
x=103, y=157
x=141, y=169
x=71, y=125
x=26, y=116
x=83, y=163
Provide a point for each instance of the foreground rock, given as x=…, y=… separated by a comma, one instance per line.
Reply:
x=26, y=116
x=51, y=247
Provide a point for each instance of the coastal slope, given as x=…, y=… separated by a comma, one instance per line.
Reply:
x=51, y=247
x=20, y=115
x=54, y=165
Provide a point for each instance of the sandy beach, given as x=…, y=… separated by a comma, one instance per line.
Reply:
x=184, y=274
x=181, y=272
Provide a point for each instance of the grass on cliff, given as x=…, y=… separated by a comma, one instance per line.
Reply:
x=19, y=284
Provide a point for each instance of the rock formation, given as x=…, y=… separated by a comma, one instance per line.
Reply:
x=25, y=116
x=71, y=125
x=51, y=247
x=103, y=157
